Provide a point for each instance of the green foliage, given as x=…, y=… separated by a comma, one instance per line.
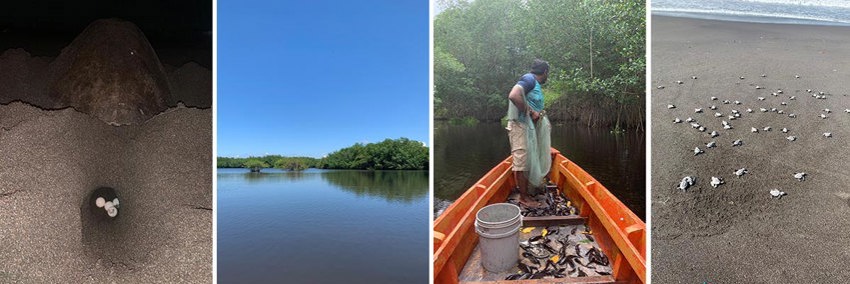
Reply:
x=255, y=164
x=596, y=50
x=399, y=154
x=278, y=161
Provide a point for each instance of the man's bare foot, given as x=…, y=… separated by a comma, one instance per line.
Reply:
x=528, y=202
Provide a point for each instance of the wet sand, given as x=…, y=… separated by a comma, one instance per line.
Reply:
x=737, y=233
x=52, y=158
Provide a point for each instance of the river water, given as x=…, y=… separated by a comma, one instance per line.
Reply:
x=464, y=153
x=322, y=226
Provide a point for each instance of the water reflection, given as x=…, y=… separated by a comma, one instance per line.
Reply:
x=463, y=154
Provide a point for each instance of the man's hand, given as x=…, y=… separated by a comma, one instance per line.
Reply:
x=535, y=116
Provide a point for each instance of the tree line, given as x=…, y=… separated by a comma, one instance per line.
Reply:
x=390, y=154
x=596, y=50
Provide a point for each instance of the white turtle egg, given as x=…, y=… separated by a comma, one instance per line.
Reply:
x=100, y=202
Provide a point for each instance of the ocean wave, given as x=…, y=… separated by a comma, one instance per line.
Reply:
x=750, y=16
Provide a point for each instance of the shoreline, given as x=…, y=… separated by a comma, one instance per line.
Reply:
x=746, y=18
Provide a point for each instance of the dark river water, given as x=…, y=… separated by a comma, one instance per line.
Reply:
x=463, y=154
x=322, y=226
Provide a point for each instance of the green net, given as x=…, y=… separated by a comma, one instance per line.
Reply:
x=537, y=149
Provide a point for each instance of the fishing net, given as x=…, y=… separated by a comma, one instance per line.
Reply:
x=537, y=149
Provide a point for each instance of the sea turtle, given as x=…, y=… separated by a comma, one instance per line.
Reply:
x=698, y=151
x=783, y=103
x=716, y=181
x=776, y=193
x=111, y=72
x=791, y=138
x=823, y=116
x=685, y=183
x=749, y=110
x=679, y=82
x=671, y=106
x=660, y=87
x=763, y=109
x=726, y=102
x=760, y=98
x=713, y=107
x=695, y=125
x=677, y=120
x=714, y=134
x=713, y=98
x=754, y=130
x=800, y=176
x=766, y=128
x=827, y=134
x=701, y=129
x=797, y=76
x=717, y=114
x=826, y=110
x=690, y=119
x=784, y=130
x=694, y=77
x=737, y=102
x=698, y=110
x=791, y=115
x=740, y=172
x=737, y=143
x=758, y=87
x=711, y=144
x=792, y=98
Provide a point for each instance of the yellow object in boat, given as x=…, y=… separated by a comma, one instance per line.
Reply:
x=555, y=258
x=527, y=230
x=544, y=232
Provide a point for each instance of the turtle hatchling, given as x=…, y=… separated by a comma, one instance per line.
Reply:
x=792, y=98
x=740, y=172
x=847, y=110
x=701, y=129
x=822, y=116
x=749, y=110
x=694, y=125
x=776, y=193
x=763, y=109
x=713, y=107
x=800, y=176
x=711, y=144
x=826, y=110
x=827, y=134
x=679, y=82
x=784, y=130
x=726, y=102
x=766, y=128
x=717, y=114
x=761, y=98
x=737, y=143
x=670, y=106
x=697, y=151
x=791, y=138
x=737, y=102
x=791, y=115
x=716, y=181
x=713, y=98
x=677, y=120
x=697, y=110
x=754, y=130
x=714, y=134
x=685, y=183
x=689, y=119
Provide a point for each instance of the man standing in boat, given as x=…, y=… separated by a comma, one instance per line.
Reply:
x=528, y=131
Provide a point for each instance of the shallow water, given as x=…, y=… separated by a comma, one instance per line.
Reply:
x=463, y=154
x=322, y=226
x=817, y=12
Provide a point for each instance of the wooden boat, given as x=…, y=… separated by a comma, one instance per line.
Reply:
x=618, y=231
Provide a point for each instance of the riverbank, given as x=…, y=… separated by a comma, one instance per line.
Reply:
x=725, y=235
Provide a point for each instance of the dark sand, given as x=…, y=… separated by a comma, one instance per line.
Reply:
x=50, y=160
x=736, y=233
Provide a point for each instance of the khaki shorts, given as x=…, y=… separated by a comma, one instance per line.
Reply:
x=516, y=134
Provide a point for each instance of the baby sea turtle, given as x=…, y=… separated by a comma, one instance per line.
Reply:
x=660, y=87
x=763, y=109
x=717, y=114
x=698, y=151
x=685, y=183
x=726, y=102
x=670, y=106
x=792, y=115
x=847, y=110
x=695, y=125
x=698, y=110
x=780, y=111
x=760, y=98
x=689, y=119
x=694, y=77
x=740, y=172
x=716, y=181
x=827, y=134
x=776, y=193
x=784, y=130
x=792, y=98
x=737, y=102
x=679, y=82
x=701, y=129
x=767, y=128
x=763, y=75
x=742, y=77
x=826, y=110
x=758, y=87
x=713, y=98
x=797, y=76
x=677, y=120
x=783, y=103
x=737, y=143
x=754, y=130
x=800, y=176
x=711, y=144
x=714, y=134
x=713, y=107
x=749, y=110
x=791, y=138
x=823, y=116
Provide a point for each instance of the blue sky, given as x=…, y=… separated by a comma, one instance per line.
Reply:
x=306, y=78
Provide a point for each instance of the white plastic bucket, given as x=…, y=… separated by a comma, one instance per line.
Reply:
x=498, y=227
